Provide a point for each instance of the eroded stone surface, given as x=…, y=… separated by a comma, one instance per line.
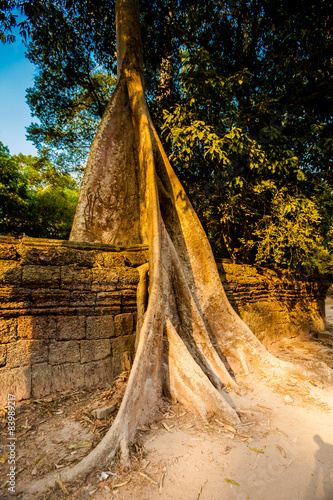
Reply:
x=68, y=311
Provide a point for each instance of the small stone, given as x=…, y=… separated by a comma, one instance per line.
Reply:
x=288, y=399
x=103, y=412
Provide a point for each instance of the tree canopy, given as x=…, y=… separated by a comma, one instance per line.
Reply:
x=241, y=91
x=36, y=199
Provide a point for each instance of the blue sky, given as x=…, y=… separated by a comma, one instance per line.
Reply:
x=16, y=75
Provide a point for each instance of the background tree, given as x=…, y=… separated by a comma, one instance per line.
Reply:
x=242, y=91
x=36, y=199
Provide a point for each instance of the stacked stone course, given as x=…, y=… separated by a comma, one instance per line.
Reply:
x=68, y=311
x=68, y=315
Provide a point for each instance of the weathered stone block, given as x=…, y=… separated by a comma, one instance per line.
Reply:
x=41, y=276
x=83, y=299
x=8, y=330
x=123, y=351
x=93, y=350
x=123, y=324
x=112, y=299
x=10, y=272
x=114, y=259
x=76, y=279
x=12, y=298
x=8, y=252
x=128, y=303
x=104, y=279
x=100, y=327
x=71, y=328
x=68, y=376
x=36, y=327
x=16, y=381
x=66, y=351
x=103, y=412
x=26, y=352
x=128, y=278
x=135, y=259
x=50, y=297
x=3, y=354
x=98, y=373
x=41, y=376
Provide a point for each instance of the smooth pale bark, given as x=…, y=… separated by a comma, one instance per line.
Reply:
x=190, y=342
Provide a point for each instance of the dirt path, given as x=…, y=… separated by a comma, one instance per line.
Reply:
x=283, y=450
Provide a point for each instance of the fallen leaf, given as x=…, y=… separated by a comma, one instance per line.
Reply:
x=231, y=481
x=2, y=459
x=230, y=429
x=166, y=427
x=257, y=451
x=150, y=479
x=281, y=450
x=120, y=484
x=266, y=407
x=85, y=444
x=56, y=442
x=62, y=486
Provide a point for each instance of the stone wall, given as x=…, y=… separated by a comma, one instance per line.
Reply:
x=275, y=304
x=68, y=311
x=68, y=315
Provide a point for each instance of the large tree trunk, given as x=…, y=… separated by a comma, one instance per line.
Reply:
x=190, y=343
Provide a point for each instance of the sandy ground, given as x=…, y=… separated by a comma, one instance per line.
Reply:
x=283, y=449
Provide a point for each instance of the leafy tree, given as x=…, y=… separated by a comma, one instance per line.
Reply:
x=36, y=199
x=14, y=195
x=242, y=91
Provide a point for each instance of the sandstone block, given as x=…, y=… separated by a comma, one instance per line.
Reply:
x=128, y=303
x=26, y=352
x=100, y=327
x=93, y=350
x=41, y=376
x=36, y=327
x=104, y=279
x=66, y=351
x=41, y=276
x=67, y=376
x=71, y=328
x=3, y=354
x=50, y=297
x=16, y=381
x=12, y=298
x=76, y=279
x=103, y=412
x=114, y=259
x=98, y=373
x=123, y=324
x=111, y=299
x=135, y=259
x=10, y=272
x=8, y=252
x=128, y=278
x=8, y=330
x=123, y=351
x=82, y=299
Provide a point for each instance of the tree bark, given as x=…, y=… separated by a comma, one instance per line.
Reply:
x=190, y=342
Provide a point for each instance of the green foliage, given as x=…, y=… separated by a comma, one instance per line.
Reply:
x=36, y=199
x=14, y=196
x=242, y=93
